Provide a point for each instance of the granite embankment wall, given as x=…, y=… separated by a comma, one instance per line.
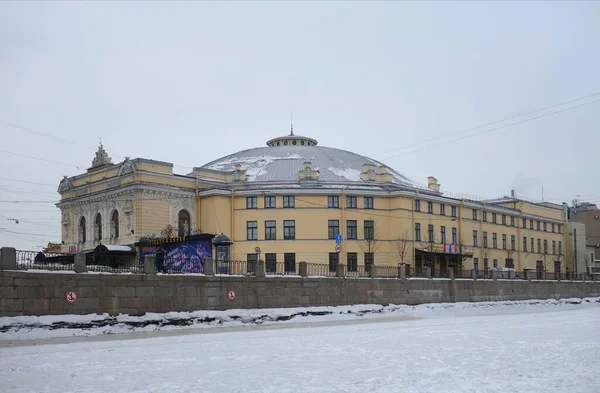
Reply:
x=26, y=293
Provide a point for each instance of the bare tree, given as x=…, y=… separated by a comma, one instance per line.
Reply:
x=370, y=242
x=402, y=248
x=168, y=231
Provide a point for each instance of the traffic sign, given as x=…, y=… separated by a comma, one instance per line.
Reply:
x=71, y=297
x=338, y=239
x=231, y=295
x=338, y=248
x=257, y=250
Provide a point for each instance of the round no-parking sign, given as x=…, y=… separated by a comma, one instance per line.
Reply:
x=231, y=295
x=71, y=297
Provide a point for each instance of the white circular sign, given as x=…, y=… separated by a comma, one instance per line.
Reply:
x=338, y=248
x=257, y=250
x=71, y=297
x=231, y=295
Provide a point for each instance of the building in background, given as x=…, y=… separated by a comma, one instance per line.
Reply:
x=293, y=200
x=584, y=216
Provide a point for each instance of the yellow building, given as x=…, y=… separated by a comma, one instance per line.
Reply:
x=293, y=197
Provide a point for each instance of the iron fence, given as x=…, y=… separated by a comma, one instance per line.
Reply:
x=281, y=269
x=320, y=270
x=387, y=271
x=36, y=260
x=357, y=271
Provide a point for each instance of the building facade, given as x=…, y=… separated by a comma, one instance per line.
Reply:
x=586, y=217
x=291, y=200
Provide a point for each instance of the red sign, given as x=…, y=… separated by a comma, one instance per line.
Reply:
x=338, y=248
x=71, y=297
x=231, y=295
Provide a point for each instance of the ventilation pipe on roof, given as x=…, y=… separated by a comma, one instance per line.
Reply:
x=512, y=193
x=433, y=184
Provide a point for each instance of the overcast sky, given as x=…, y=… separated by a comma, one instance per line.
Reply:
x=189, y=82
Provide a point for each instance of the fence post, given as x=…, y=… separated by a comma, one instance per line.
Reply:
x=494, y=275
x=80, y=265
x=527, y=275
x=8, y=258
x=474, y=274
x=427, y=272
x=543, y=276
x=558, y=277
x=303, y=269
x=339, y=270
x=260, y=268
x=402, y=272
x=451, y=274
x=149, y=264
x=511, y=274
x=373, y=272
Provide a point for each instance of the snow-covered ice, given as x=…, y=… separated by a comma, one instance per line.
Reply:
x=547, y=346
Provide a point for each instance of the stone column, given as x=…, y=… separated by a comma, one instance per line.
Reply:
x=511, y=274
x=494, y=274
x=340, y=270
x=427, y=272
x=80, y=265
x=8, y=258
x=527, y=275
x=402, y=272
x=149, y=264
x=260, y=271
x=303, y=269
x=373, y=272
x=474, y=274
x=451, y=273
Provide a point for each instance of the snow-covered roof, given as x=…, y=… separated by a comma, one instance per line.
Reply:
x=112, y=247
x=284, y=163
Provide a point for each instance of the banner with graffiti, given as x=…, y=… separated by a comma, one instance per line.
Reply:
x=181, y=256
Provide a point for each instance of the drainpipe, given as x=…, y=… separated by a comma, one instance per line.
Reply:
x=231, y=231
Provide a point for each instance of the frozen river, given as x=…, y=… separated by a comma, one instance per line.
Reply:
x=504, y=349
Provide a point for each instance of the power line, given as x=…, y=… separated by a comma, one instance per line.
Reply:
x=39, y=159
x=492, y=123
x=28, y=182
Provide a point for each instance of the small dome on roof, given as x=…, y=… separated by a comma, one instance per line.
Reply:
x=221, y=240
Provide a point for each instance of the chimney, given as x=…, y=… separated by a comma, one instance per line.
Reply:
x=512, y=193
x=433, y=184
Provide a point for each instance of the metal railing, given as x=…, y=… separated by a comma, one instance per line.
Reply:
x=320, y=270
x=387, y=271
x=36, y=260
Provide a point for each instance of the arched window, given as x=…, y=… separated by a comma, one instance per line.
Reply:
x=82, y=230
x=114, y=224
x=98, y=227
x=183, y=228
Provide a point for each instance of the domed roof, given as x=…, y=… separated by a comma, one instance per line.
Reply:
x=279, y=162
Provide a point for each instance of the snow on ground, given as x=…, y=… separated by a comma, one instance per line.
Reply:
x=503, y=347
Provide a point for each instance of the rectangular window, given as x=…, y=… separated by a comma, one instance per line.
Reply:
x=417, y=205
x=270, y=230
x=369, y=229
x=545, y=226
x=251, y=203
x=545, y=246
x=484, y=214
x=494, y=218
x=334, y=260
x=512, y=221
x=539, y=225
x=352, y=261
x=369, y=260
x=271, y=263
x=485, y=240
x=251, y=260
x=531, y=224
x=368, y=202
x=333, y=201
x=351, y=229
x=442, y=209
x=524, y=223
x=475, y=239
x=554, y=247
x=289, y=201
x=453, y=211
x=495, y=264
x=509, y=263
x=503, y=241
x=430, y=207
x=513, y=243
x=476, y=264
x=525, y=243
x=351, y=202
x=494, y=240
x=539, y=246
x=553, y=228
x=289, y=262
x=430, y=234
x=270, y=202
x=443, y=233
x=474, y=214
x=559, y=228
x=454, y=236
x=532, y=249
x=417, y=232
x=559, y=247
x=504, y=219
x=289, y=229
x=251, y=230
x=333, y=228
